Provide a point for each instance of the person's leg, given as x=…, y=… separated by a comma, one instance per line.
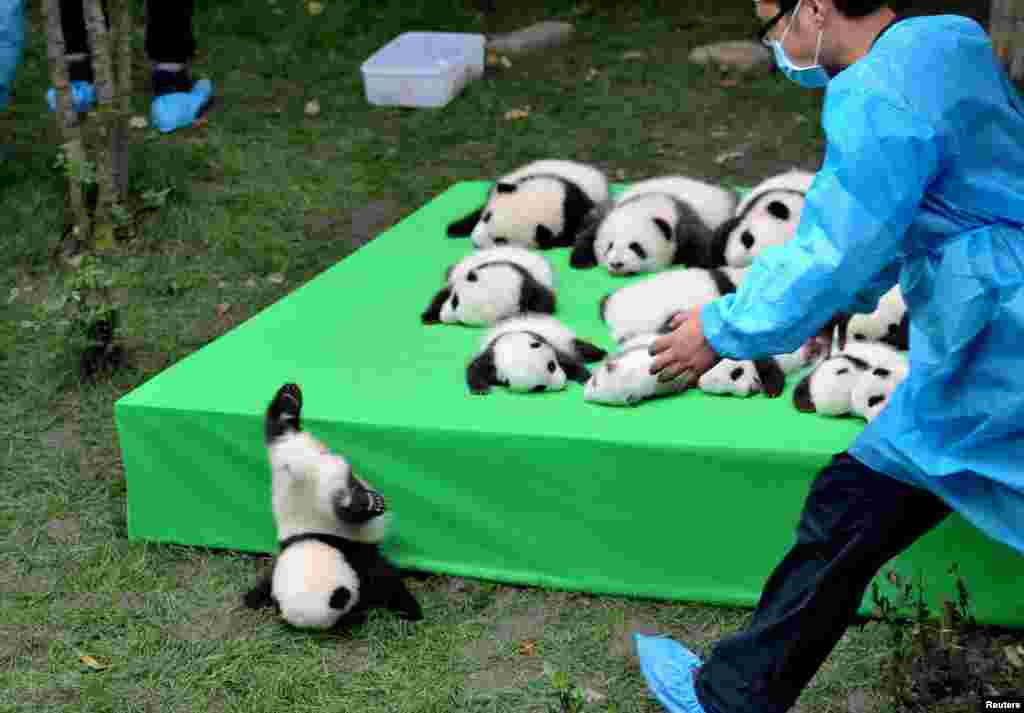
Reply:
x=78, y=54
x=170, y=44
x=853, y=522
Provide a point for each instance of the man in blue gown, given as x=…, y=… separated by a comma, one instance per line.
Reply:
x=922, y=184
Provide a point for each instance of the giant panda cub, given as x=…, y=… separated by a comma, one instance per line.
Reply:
x=655, y=223
x=644, y=306
x=857, y=380
x=329, y=527
x=530, y=353
x=766, y=216
x=541, y=205
x=889, y=323
x=624, y=379
x=488, y=285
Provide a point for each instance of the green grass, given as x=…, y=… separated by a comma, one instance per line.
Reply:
x=264, y=190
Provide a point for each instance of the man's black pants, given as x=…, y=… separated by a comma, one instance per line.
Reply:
x=853, y=522
x=169, y=35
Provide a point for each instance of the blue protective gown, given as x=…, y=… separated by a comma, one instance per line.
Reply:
x=12, y=38
x=922, y=182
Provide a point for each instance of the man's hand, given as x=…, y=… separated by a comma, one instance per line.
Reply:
x=684, y=349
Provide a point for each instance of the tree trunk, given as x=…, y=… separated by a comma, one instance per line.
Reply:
x=125, y=33
x=106, y=117
x=67, y=123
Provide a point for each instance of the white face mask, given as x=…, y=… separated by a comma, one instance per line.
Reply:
x=813, y=76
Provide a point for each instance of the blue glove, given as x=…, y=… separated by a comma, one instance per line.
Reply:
x=12, y=40
x=668, y=669
x=83, y=96
x=174, y=111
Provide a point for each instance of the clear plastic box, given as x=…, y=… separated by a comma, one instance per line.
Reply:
x=423, y=69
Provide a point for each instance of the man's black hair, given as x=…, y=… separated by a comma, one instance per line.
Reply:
x=850, y=8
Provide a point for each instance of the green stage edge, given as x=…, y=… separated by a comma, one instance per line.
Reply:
x=691, y=498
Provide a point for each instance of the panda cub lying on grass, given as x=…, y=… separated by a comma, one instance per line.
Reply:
x=329, y=526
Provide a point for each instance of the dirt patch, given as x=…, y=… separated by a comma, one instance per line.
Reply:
x=349, y=657
x=504, y=676
x=47, y=696
x=64, y=530
x=25, y=646
x=214, y=623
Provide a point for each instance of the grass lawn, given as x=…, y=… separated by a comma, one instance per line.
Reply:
x=262, y=199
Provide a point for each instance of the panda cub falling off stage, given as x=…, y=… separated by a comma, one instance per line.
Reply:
x=329, y=526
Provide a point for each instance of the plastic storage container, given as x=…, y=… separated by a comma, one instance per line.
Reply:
x=423, y=69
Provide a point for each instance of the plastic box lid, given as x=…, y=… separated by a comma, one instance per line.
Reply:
x=425, y=53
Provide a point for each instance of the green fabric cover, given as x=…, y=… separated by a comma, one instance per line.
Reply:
x=692, y=497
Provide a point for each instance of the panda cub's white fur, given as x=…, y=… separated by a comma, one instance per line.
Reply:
x=857, y=380
x=489, y=285
x=653, y=224
x=530, y=353
x=624, y=378
x=329, y=525
x=644, y=306
x=888, y=323
x=541, y=205
x=767, y=216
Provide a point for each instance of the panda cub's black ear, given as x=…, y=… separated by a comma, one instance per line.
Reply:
x=432, y=314
x=481, y=373
x=573, y=367
x=802, y=395
x=772, y=377
x=463, y=227
x=662, y=225
x=502, y=187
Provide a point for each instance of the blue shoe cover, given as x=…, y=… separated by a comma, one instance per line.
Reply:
x=171, y=112
x=83, y=96
x=668, y=669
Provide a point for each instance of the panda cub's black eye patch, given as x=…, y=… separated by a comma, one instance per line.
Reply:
x=736, y=373
x=534, y=345
x=487, y=217
x=844, y=370
x=638, y=249
x=779, y=210
x=455, y=301
x=552, y=367
x=471, y=276
x=881, y=371
x=501, y=241
x=875, y=400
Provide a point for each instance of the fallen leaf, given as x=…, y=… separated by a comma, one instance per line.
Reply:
x=138, y=122
x=492, y=58
x=223, y=308
x=276, y=278
x=506, y=62
x=591, y=74
x=528, y=648
x=312, y=107
x=1015, y=655
x=634, y=54
x=727, y=156
x=92, y=663
x=517, y=114
x=315, y=8
x=250, y=283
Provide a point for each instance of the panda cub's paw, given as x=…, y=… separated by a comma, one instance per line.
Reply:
x=283, y=412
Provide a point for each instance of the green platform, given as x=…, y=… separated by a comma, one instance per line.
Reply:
x=693, y=497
